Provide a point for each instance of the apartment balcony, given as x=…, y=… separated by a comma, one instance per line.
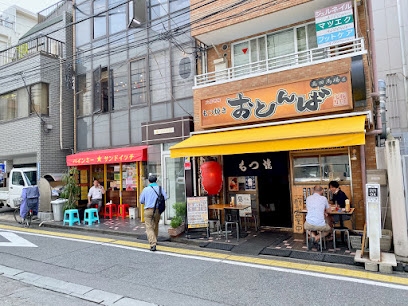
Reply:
x=44, y=45
x=281, y=63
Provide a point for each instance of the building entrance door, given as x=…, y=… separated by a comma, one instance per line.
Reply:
x=173, y=183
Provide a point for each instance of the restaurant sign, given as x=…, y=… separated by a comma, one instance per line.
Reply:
x=322, y=95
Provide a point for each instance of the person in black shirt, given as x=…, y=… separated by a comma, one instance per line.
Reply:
x=339, y=198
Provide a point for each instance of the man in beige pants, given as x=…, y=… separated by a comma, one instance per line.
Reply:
x=148, y=198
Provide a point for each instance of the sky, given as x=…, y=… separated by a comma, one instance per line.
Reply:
x=32, y=5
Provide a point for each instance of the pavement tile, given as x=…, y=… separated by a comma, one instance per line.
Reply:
x=27, y=277
x=9, y=271
x=106, y=298
x=132, y=302
x=87, y=298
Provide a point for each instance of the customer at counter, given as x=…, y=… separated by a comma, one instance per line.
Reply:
x=317, y=210
x=339, y=198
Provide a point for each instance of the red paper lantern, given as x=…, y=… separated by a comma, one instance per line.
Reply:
x=211, y=173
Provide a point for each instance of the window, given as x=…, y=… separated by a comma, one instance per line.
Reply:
x=119, y=80
x=117, y=16
x=39, y=99
x=185, y=67
x=101, y=90
x=321, y=169
x=138, y=81
x=31, y=177
x=17, y=179
x=274, y=46
x=8, y=106
x=84, y=94
x=83, y=28
x=99, y=22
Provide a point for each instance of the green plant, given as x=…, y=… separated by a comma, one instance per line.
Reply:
x=176, y=222
x=71, y=189
x=180, y=210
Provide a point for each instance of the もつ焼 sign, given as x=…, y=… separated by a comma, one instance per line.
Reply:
x=321, y=95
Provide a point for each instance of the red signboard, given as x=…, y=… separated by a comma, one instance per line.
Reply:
x=113, y=156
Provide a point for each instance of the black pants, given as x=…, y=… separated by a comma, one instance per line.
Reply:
x=96, y=201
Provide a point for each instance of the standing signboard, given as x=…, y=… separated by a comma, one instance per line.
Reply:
x=335, y=25
x=197, y=212
x=2, y=171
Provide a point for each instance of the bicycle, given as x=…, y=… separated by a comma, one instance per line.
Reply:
x=28, y=217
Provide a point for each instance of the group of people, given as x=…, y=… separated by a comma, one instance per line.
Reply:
x=318, y=216
x=148, y=197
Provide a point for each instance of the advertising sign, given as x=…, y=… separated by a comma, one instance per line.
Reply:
x=335, y=25
x=197, y=212
x=322, y=95
x=373, y=200
x=2, y=172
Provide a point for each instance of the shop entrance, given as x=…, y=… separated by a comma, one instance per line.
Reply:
x=266, y=177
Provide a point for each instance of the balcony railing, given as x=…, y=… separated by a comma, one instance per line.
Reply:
x=43, y=44
x=280, y=63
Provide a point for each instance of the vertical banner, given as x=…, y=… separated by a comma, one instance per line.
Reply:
x=335, y=25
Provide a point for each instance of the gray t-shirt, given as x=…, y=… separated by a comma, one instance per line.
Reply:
x=316, y=205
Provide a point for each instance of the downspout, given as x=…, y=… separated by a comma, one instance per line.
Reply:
x=74, y=78
x=363, y=170
x=60, y=103
x=402, y=41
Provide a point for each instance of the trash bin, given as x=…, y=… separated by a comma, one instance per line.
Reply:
x=58, y=208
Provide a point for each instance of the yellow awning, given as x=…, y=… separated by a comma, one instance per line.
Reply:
x=316, y=134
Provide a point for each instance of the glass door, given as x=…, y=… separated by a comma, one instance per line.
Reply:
x=173, y=183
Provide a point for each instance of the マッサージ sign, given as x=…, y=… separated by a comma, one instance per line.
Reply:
x=322, y=95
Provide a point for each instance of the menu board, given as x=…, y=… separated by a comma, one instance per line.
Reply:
x=244, y=200
x=84, y=192
x=197, y=212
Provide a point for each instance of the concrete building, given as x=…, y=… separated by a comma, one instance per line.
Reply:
x=14, y=22
x=133, y=88
x=36, y=108
x=277, y=82
x=391, y=42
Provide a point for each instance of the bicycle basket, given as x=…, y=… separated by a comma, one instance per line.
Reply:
x=17, y=202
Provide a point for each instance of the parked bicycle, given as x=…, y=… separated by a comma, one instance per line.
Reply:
x=26, y=221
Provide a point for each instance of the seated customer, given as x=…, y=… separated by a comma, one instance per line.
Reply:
x=339, y=198
x=317, y=209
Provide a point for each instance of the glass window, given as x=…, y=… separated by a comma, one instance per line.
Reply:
x=97, y=94
x=82, y=28
x=311, y=36
x=31, y=176
x=39, y=99
x=176, y=5
x=137, y=116
x=335, y=168
x=120, y=86
x=8, y=106
x=120, y=128
x=301, y=39
x=306, y=169
x=241, y=54
x=101, y=130
x=22, y=103
x=117, y=17
x=17, y=179
x=281, y=43
x=84, y=133
x=84, y=94
x=99, y=22
x=138, y=81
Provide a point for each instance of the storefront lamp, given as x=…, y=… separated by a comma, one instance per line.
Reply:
x=354, y=155
x=211, y=173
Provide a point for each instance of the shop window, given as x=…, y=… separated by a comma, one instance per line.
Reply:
x=39, y=99
x=83, y=25
x=138, y=81
x=321, y=169
x=99, y=21
x=117, y=16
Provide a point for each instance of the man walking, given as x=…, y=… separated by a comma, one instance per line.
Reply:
x=151, y=215
x=95, y=195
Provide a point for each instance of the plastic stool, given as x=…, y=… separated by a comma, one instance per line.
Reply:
x=132, y=213
x=110, y=210
x=123, y=211
x=97, y=207
x=71, y=216
x=91, y=216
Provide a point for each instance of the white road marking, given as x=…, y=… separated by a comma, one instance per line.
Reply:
x=235, y=263
x=15, y=241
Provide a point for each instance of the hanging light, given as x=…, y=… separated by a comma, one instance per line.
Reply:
x=211, y=173
x=354, y=155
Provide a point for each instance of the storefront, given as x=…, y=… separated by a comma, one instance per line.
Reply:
x=120, y=171
x=313, y=142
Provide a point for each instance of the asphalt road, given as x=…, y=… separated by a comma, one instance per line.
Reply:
x=178, y=276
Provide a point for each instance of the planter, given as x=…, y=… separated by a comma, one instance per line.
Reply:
x=174, y=232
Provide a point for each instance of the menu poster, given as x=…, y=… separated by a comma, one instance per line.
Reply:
x=197, y=212
x=233, y=184
x=83, y=174
x=244, y=200
x=84, y=192
x=250, y=183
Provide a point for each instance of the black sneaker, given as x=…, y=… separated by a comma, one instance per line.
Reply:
x=311, y=243
x=153, y=248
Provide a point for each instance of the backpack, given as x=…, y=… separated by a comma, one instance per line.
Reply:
x=160, y=201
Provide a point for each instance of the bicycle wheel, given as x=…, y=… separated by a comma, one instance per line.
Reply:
x=27, y=220
x=17, y=217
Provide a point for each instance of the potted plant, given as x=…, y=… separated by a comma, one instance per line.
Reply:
x=178, y=222
x=71, y=190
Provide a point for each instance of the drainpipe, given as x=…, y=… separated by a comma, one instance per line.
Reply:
x=402, y=42
x=363, y=170
x=60, y=103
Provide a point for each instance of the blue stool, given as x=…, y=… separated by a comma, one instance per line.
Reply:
x=71, y=216
x=91, y=216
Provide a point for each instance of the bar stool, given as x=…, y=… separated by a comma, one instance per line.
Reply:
x=71, y=216
x=308, y=233
x=217, y=224
x=123, y=211
x=341, y=230
x=233, y=220
x=91, y=216
x=110, y=210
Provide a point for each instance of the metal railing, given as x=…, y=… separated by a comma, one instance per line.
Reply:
x=45, y=13
x=6, y=23
x=43, y=44
x=276, y=64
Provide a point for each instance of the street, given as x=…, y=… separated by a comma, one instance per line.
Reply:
x=106, y=269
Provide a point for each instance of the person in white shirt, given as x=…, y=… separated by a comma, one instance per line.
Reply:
x=95, y=195
x=317, y=210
